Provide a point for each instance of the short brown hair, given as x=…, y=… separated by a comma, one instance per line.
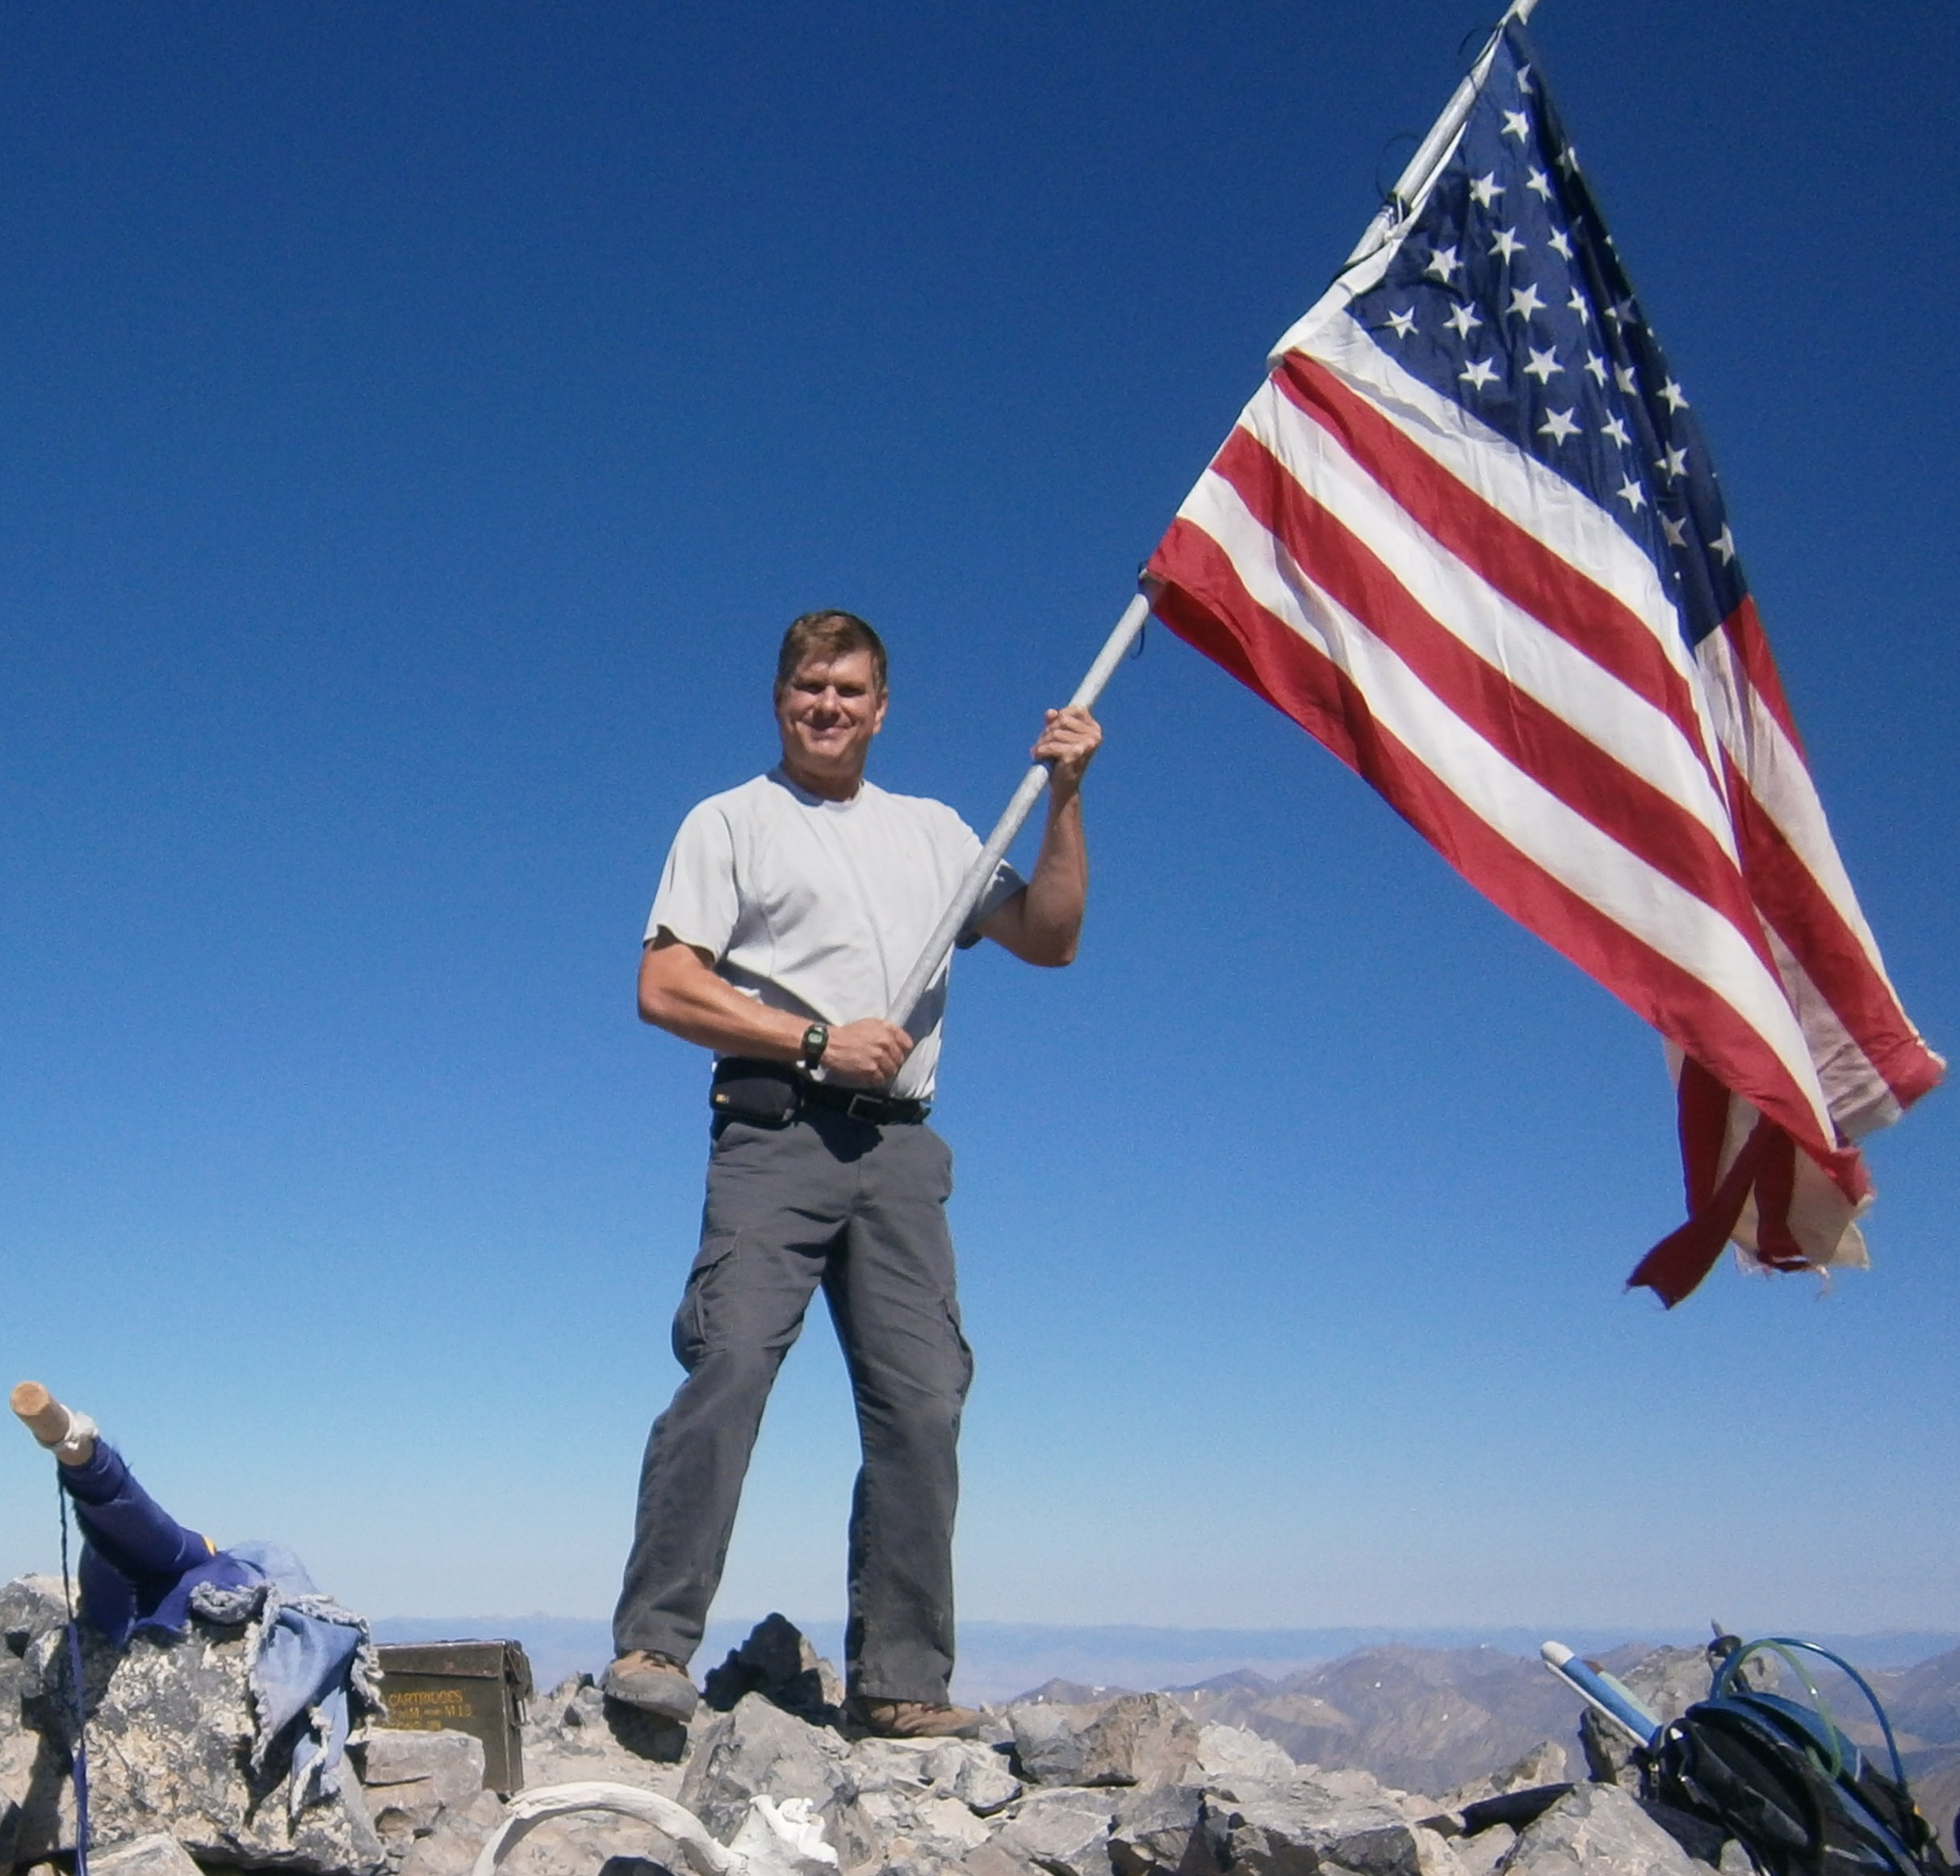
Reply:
x=827, y=634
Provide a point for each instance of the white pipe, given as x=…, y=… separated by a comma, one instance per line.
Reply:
x=528, y=1809
x=952, y=921
x=774, y=1840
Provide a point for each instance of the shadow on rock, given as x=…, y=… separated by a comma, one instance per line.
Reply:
x=646, y=1736
x=777, y=1661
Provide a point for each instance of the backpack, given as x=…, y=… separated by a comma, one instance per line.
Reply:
x=1782, y=1780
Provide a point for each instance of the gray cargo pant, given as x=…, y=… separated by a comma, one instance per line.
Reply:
x=860, y=1209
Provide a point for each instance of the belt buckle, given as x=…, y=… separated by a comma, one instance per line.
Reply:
x=873, y=1109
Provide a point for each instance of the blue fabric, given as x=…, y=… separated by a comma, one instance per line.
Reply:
x=305, y=1656
x=140, y=1569
x=139, y=1565
x=312, y=1656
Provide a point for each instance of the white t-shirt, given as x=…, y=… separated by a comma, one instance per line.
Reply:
x=822, y=907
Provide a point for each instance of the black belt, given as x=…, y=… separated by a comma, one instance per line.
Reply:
x=770, y=1094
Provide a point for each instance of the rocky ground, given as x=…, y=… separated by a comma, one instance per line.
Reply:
x=1069, y=1782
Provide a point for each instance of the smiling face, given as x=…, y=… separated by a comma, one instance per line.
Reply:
x=827, y=713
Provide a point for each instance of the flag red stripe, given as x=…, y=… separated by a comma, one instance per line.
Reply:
x=1196, y=588
x=1202, y=590
x=1776, y=1178
x=1501, y=554
x=1679, y=1261
x=1702, y=1102
x=1626, y=806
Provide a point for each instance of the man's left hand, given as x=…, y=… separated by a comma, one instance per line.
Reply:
x=1069, y=739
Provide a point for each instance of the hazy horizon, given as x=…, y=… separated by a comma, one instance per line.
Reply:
x=999, y=1659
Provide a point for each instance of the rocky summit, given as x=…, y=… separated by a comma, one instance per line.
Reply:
x=1072, y=1781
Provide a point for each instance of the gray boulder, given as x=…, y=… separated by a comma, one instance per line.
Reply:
x=1048, y=1740
x=1437, y=1855
x=449, y=1847
x=1135, y=1739
x=758, y=1747
x=156, y=1855
x=1298, y=1830
x=1480, y=1855
x=989, y=1859
x=37, y=1807
x=1344, y=1788
x=975, y=1775
x=1545, y=1764
x=1065, y=1832
x=917, y=1804
x=30, y=1606
x=411, y=1778
x=427, y=1792
x=1602, y=1829
x=170, y=1738
x=880, y=1829
x=1232, y=1755
x=1152, y=1827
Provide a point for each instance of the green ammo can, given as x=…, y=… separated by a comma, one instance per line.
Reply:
x=477, y=1687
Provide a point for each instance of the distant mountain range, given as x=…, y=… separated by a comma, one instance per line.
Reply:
x=999, y=1659
x=1422, y=1709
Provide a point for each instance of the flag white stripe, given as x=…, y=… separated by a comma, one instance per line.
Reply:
x=1861, y=1099
x=1780, y=780
x=1553, y=837
x=1538, y=660
x=1565, y=522
x=1539, y=501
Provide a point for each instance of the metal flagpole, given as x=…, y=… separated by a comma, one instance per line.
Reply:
x=1415, y=178
x=1430, y=152
x=952, y=921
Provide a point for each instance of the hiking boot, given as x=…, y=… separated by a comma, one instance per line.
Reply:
x=653, y=1683
x=911, y=1720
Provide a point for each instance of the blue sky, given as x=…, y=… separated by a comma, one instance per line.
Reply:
x=419, y=422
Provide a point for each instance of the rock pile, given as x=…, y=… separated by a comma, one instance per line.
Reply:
x=1123, y=1784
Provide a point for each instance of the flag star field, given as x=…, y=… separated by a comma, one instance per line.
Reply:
x=1567, y=366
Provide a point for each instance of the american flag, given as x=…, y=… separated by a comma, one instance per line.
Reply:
x=1468, y=533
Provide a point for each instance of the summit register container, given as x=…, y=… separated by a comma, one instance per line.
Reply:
x=477, y=1687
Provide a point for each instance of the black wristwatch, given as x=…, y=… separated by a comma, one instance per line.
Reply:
x=816, y=1039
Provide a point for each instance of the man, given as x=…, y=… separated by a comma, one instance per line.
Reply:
x=791, y=911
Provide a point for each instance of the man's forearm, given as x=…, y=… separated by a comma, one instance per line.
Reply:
x=679, y=993
x=1058, y=890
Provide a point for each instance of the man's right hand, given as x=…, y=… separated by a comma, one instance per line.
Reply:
x=868, y=1054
